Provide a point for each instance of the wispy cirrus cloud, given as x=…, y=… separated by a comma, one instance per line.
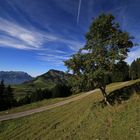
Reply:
x=16, y=36
x=56, y=59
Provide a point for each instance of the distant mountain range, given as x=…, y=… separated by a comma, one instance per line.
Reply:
x=14, y=77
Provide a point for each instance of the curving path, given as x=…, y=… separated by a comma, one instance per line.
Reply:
x=48, y=107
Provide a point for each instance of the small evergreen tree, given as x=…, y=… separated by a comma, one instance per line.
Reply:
x=6, y=97
x=9, y=97
x=135, y=69
x=138, y=67
x=2, y=89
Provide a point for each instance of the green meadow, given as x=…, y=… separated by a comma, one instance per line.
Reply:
x=82, y=119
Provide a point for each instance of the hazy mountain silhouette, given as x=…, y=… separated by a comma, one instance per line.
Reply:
x=14, y=77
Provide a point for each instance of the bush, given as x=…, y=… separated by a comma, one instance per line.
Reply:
x=25, y=100
x=61, y=91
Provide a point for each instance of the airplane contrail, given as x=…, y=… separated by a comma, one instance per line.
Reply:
x=79, y=9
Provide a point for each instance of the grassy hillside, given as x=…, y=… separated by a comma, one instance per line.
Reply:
x=45, y=102
x=46, y=80
x=82, y=119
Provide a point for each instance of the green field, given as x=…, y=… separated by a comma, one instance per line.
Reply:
x=45, y=81
x=27, y=88
x=45, y=102
x=83, y=119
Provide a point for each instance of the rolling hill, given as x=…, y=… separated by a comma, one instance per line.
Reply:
x=46, y=80
x=51, y=78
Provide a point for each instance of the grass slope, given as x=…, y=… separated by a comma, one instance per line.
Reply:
x=79, y=120
x=45, y=102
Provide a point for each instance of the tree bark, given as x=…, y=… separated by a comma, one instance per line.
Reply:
x=103, y=90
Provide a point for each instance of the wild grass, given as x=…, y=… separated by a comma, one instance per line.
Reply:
x=79, y=120
x=45, y=102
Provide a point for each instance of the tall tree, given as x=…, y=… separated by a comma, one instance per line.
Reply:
x=9, y=97
x=6, y=97
x=135, y=69
x=2, y=90
x=2, y=87
x=138, y=67
x=106, y=44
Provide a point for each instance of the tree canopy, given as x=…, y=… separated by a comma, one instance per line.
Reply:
x=106, y=45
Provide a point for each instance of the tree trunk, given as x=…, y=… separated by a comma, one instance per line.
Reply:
x=103, y=90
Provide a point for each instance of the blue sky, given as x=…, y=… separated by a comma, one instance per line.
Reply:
x=38, y=35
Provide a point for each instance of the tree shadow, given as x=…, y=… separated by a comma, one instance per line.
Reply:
x=123, y=94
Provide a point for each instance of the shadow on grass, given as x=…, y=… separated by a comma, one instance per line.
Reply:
x=120, y=95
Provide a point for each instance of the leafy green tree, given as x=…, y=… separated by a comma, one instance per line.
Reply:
x=47, y=93
x=37, y=95
x=61, y=90
x=24, y=100
x=106, y=44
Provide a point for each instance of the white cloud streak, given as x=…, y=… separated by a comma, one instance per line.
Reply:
x=53, y=58
x=17, y=36
x=79, y=9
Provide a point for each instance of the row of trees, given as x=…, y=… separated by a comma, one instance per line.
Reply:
x=121, y=72
x=135, y=69
x=8, y=101
x=6, y=97
x=40, y=94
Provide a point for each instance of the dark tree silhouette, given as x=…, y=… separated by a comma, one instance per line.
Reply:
x=6, y=97
x=135, y=69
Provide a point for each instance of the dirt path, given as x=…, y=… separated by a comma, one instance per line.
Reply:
x=41, y=109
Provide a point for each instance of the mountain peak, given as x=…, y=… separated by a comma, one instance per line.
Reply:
x=54, y=71
x=14, y=77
